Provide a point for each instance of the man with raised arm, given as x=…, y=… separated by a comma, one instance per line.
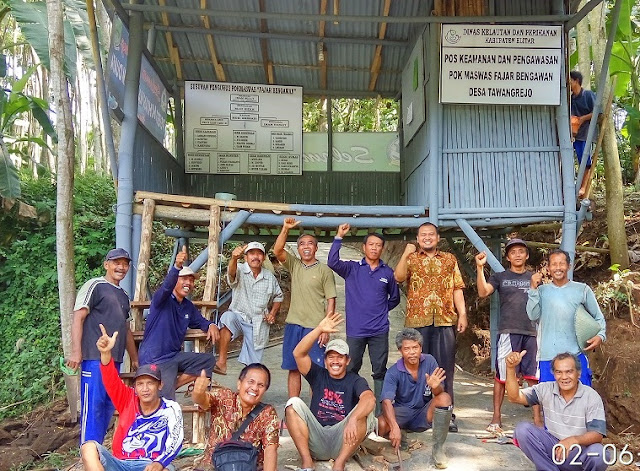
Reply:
x=341, y=412
x=435, y=300
x=516, y=332
x=371, y=292
x=313, y=296
x=170, y=314
x=254, y=290
x=100, y=301
x=149, y=432
x=554, y=306
x=574, y=419
x=413, y=398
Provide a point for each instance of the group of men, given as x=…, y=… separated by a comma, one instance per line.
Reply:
x=415, y=394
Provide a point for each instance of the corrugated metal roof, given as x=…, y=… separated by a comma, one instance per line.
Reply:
x=364, y=49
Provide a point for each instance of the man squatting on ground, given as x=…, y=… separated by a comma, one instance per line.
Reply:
x=170, y=314
x=574, y=418
x=149, y=432
x=554, y=306
x=435, y=300
x=516, y=332
x=100, y=301
x=371, y=292
x=413, y=398
x=341, y=412
x=253, y=289
x=313, y=296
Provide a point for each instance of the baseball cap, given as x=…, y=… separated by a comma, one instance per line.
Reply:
x=338, y=346
x=255, y=245
x=513, y=242
x=148, y=370
x=115, y=254
x=187, y=271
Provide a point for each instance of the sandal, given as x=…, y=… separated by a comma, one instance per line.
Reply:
x=495, y=430
x=219, y=371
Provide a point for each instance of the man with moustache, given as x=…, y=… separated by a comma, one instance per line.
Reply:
x=170, y=314
x=516, y=332
x=554, y=306
x=574, y=418
x=413, y=398
x=254, y=289
x=313, y=296
x=435, y=300
x=371, y=292
x=100, y=301
x=341, y=413
x=149, y=432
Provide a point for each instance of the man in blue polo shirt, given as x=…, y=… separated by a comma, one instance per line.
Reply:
x=413, y=396
x=371, y=292
x=170, y=314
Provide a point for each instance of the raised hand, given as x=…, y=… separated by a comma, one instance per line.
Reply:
x=105, y=343
x=514, y=358
x=536, y=280
x=201, y=384
x=342, y=231
x=181, y=258
x=409, y=249
x=481, y=259
x=328, y=324
x=436, y=378
x=238, y=251
x=290, y=223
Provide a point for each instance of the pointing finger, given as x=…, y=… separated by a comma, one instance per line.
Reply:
x=114, y=336
x=184, y=248
x=102, y=329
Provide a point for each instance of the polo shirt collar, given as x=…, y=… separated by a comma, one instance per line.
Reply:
x=380, y=262
x=247, y=270
x=403, y=368
x=422, y=252
x=579, y=392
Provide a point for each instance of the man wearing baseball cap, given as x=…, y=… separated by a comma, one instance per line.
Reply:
x=100, y=301
x=256, y=299
x=340, y=415
x=149, y=432
x=170, y=314
x=516, y=332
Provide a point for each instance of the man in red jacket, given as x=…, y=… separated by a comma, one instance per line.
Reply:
x=149, y=432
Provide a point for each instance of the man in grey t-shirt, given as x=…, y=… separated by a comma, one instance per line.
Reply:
x=573, y=416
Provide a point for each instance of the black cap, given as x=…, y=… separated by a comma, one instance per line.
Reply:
x=513, y=242
x=148, y=370
x=115, y=254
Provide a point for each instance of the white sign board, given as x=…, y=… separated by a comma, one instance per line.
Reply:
x=243, y=128
x=500, y=64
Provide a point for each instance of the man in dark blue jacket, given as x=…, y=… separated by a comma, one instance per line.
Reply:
x=371, y=292
x=170, y=315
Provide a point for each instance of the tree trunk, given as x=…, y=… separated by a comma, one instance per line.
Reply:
x=64, y=179
x=584, y=48
x=612, y=171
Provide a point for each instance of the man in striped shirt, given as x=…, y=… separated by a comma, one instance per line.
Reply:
x=573, y=416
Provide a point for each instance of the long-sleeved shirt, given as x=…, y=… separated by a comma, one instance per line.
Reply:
x=555, y=307
x=167, y=323
x=156, y=437
x=370, y=294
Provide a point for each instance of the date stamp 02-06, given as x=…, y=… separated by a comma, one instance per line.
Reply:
x=611, y=454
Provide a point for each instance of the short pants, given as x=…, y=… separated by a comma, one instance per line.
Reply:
x=111, y=463
x=508, y=343
x=293, y=333
x=190, y=363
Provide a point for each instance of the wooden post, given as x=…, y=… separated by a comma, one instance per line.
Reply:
x=140, y=293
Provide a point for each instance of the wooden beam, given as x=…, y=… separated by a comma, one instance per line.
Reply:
x=217, y=66
x=376, y=63
x=211, y=281
x=198, y=200
x=579, y=248
x=142, y=275
x=264, y=45
x=171, y=47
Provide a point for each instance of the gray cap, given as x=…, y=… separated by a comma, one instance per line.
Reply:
x=513, y=242
x=338, y=346
x=115, y=254
x=187, y=271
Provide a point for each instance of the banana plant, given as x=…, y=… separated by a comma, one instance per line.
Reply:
x=15, y=104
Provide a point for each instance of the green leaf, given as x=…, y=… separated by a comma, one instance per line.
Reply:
x=9, y=179
x=19, y=84
x=42, y=117
x=76, y=14
x=34, y=24
x=624, y=23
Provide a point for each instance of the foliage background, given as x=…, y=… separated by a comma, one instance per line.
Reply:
x=29, y=309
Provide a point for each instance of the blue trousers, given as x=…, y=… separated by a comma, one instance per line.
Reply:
x=537, y=444
x=96, y=407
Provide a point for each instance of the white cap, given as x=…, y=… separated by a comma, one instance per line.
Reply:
x=255, y=245
x=186, y=271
